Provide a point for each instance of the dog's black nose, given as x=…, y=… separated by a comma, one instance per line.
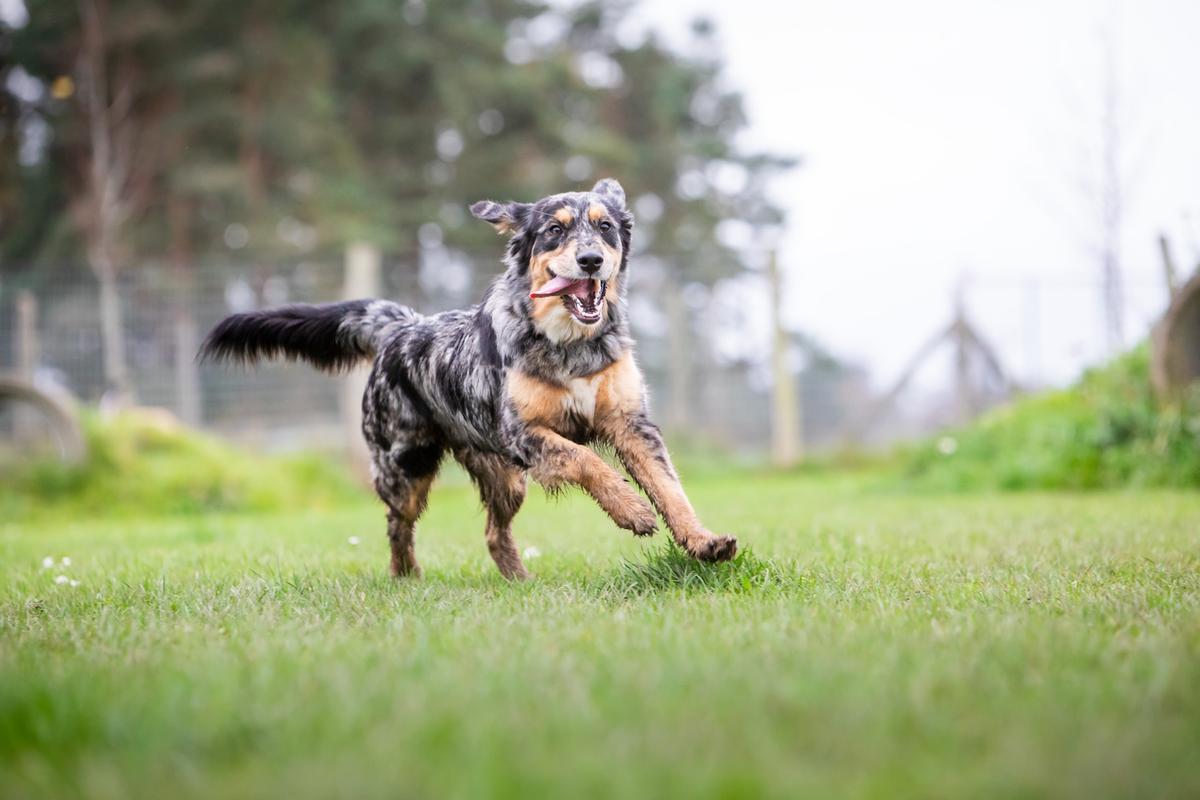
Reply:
x=589, y=261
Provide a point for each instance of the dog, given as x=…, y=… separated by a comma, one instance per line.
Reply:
x=518, y=385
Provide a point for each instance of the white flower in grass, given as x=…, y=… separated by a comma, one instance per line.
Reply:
x=354, y=540
x=47, y=562
x=61, y=579
x=947, y=445
x=74, y=583
x=66, y=561
x=532, y=552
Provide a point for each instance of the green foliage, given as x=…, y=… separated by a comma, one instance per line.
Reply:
x=287, y=115
x=144, y=465
x=1110, y=430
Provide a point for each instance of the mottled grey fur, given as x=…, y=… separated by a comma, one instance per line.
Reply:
x=438, y=383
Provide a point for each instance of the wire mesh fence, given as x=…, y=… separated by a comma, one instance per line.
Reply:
x=698, y=391
x=166, y=312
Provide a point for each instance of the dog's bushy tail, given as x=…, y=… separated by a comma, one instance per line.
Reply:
x=332, y=337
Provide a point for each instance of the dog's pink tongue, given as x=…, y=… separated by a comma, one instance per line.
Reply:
x=558, y=285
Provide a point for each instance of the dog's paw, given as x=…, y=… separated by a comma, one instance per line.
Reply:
x=638, y=516
x=714, y=548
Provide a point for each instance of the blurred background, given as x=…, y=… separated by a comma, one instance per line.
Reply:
x=856, y=223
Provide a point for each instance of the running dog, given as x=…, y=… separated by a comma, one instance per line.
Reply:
x=517, y=385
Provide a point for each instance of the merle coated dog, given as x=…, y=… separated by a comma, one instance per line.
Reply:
x=519, y=384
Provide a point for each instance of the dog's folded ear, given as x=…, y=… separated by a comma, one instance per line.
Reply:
x=611, y=191
x=504, y=217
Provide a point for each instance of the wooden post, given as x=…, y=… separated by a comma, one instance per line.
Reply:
x=1169, y=271
x=362, y=280
x=187, y=372
x=25, y=419
x=786, y=447
x=27, y=335
x=188, y=398
x=679, y=359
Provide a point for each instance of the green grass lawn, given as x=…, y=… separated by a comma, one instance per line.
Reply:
x=867, y=643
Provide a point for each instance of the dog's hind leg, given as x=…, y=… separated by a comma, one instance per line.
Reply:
x=403, y=476
x=502, y=488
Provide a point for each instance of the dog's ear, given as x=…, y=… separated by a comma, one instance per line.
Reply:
x=611, y=191
x=504, y=217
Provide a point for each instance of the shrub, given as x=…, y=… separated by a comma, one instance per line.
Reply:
x=1108, y=430
x=141, y=463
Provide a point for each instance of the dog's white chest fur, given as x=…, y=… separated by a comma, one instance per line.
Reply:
x=579, y=399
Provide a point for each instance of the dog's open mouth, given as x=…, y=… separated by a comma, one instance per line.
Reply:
x=583, y=297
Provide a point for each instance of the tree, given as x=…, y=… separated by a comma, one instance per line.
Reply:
x=280, y=128
x=102, y=110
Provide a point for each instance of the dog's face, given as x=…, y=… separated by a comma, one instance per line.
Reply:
x=572, y=247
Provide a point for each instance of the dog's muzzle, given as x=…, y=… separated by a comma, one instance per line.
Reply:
x=583, y=297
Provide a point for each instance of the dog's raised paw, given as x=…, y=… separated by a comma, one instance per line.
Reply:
x=715, y=548
x=639, y=517
x=645, y=521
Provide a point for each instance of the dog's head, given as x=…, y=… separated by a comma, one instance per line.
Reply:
x=569, y=251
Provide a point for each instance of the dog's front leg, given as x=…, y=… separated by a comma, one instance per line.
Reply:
x=557, y=460
x=639, y=445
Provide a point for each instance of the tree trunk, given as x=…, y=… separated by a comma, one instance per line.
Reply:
x=108, y=171
x=250, y=156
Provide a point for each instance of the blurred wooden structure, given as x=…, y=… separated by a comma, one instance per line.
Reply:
x=58, y=411
x=34, y=409
x=1175, y=343
x=972, y=356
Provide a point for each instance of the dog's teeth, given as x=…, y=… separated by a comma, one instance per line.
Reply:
x=586, y=309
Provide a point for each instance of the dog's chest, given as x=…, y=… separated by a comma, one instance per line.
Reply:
x=584, y=400
x=579, y=396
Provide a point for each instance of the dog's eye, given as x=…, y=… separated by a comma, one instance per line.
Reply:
x=554, y=230
x=605, y=225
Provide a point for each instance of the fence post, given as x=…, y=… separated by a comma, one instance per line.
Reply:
x=362, y=279
x=27, y=335
x=679, y=362
x=786, y=447
x=1169, y=272
x=187, y=341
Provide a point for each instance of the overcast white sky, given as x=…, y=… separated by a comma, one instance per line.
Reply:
x=948, y=137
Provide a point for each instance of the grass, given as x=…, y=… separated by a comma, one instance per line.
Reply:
x=866, y=644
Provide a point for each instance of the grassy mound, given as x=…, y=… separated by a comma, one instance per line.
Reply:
x=1109, y=430
x=668, y=568
x=144, y=464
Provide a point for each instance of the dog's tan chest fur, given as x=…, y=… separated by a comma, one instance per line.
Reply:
x=591, y=398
